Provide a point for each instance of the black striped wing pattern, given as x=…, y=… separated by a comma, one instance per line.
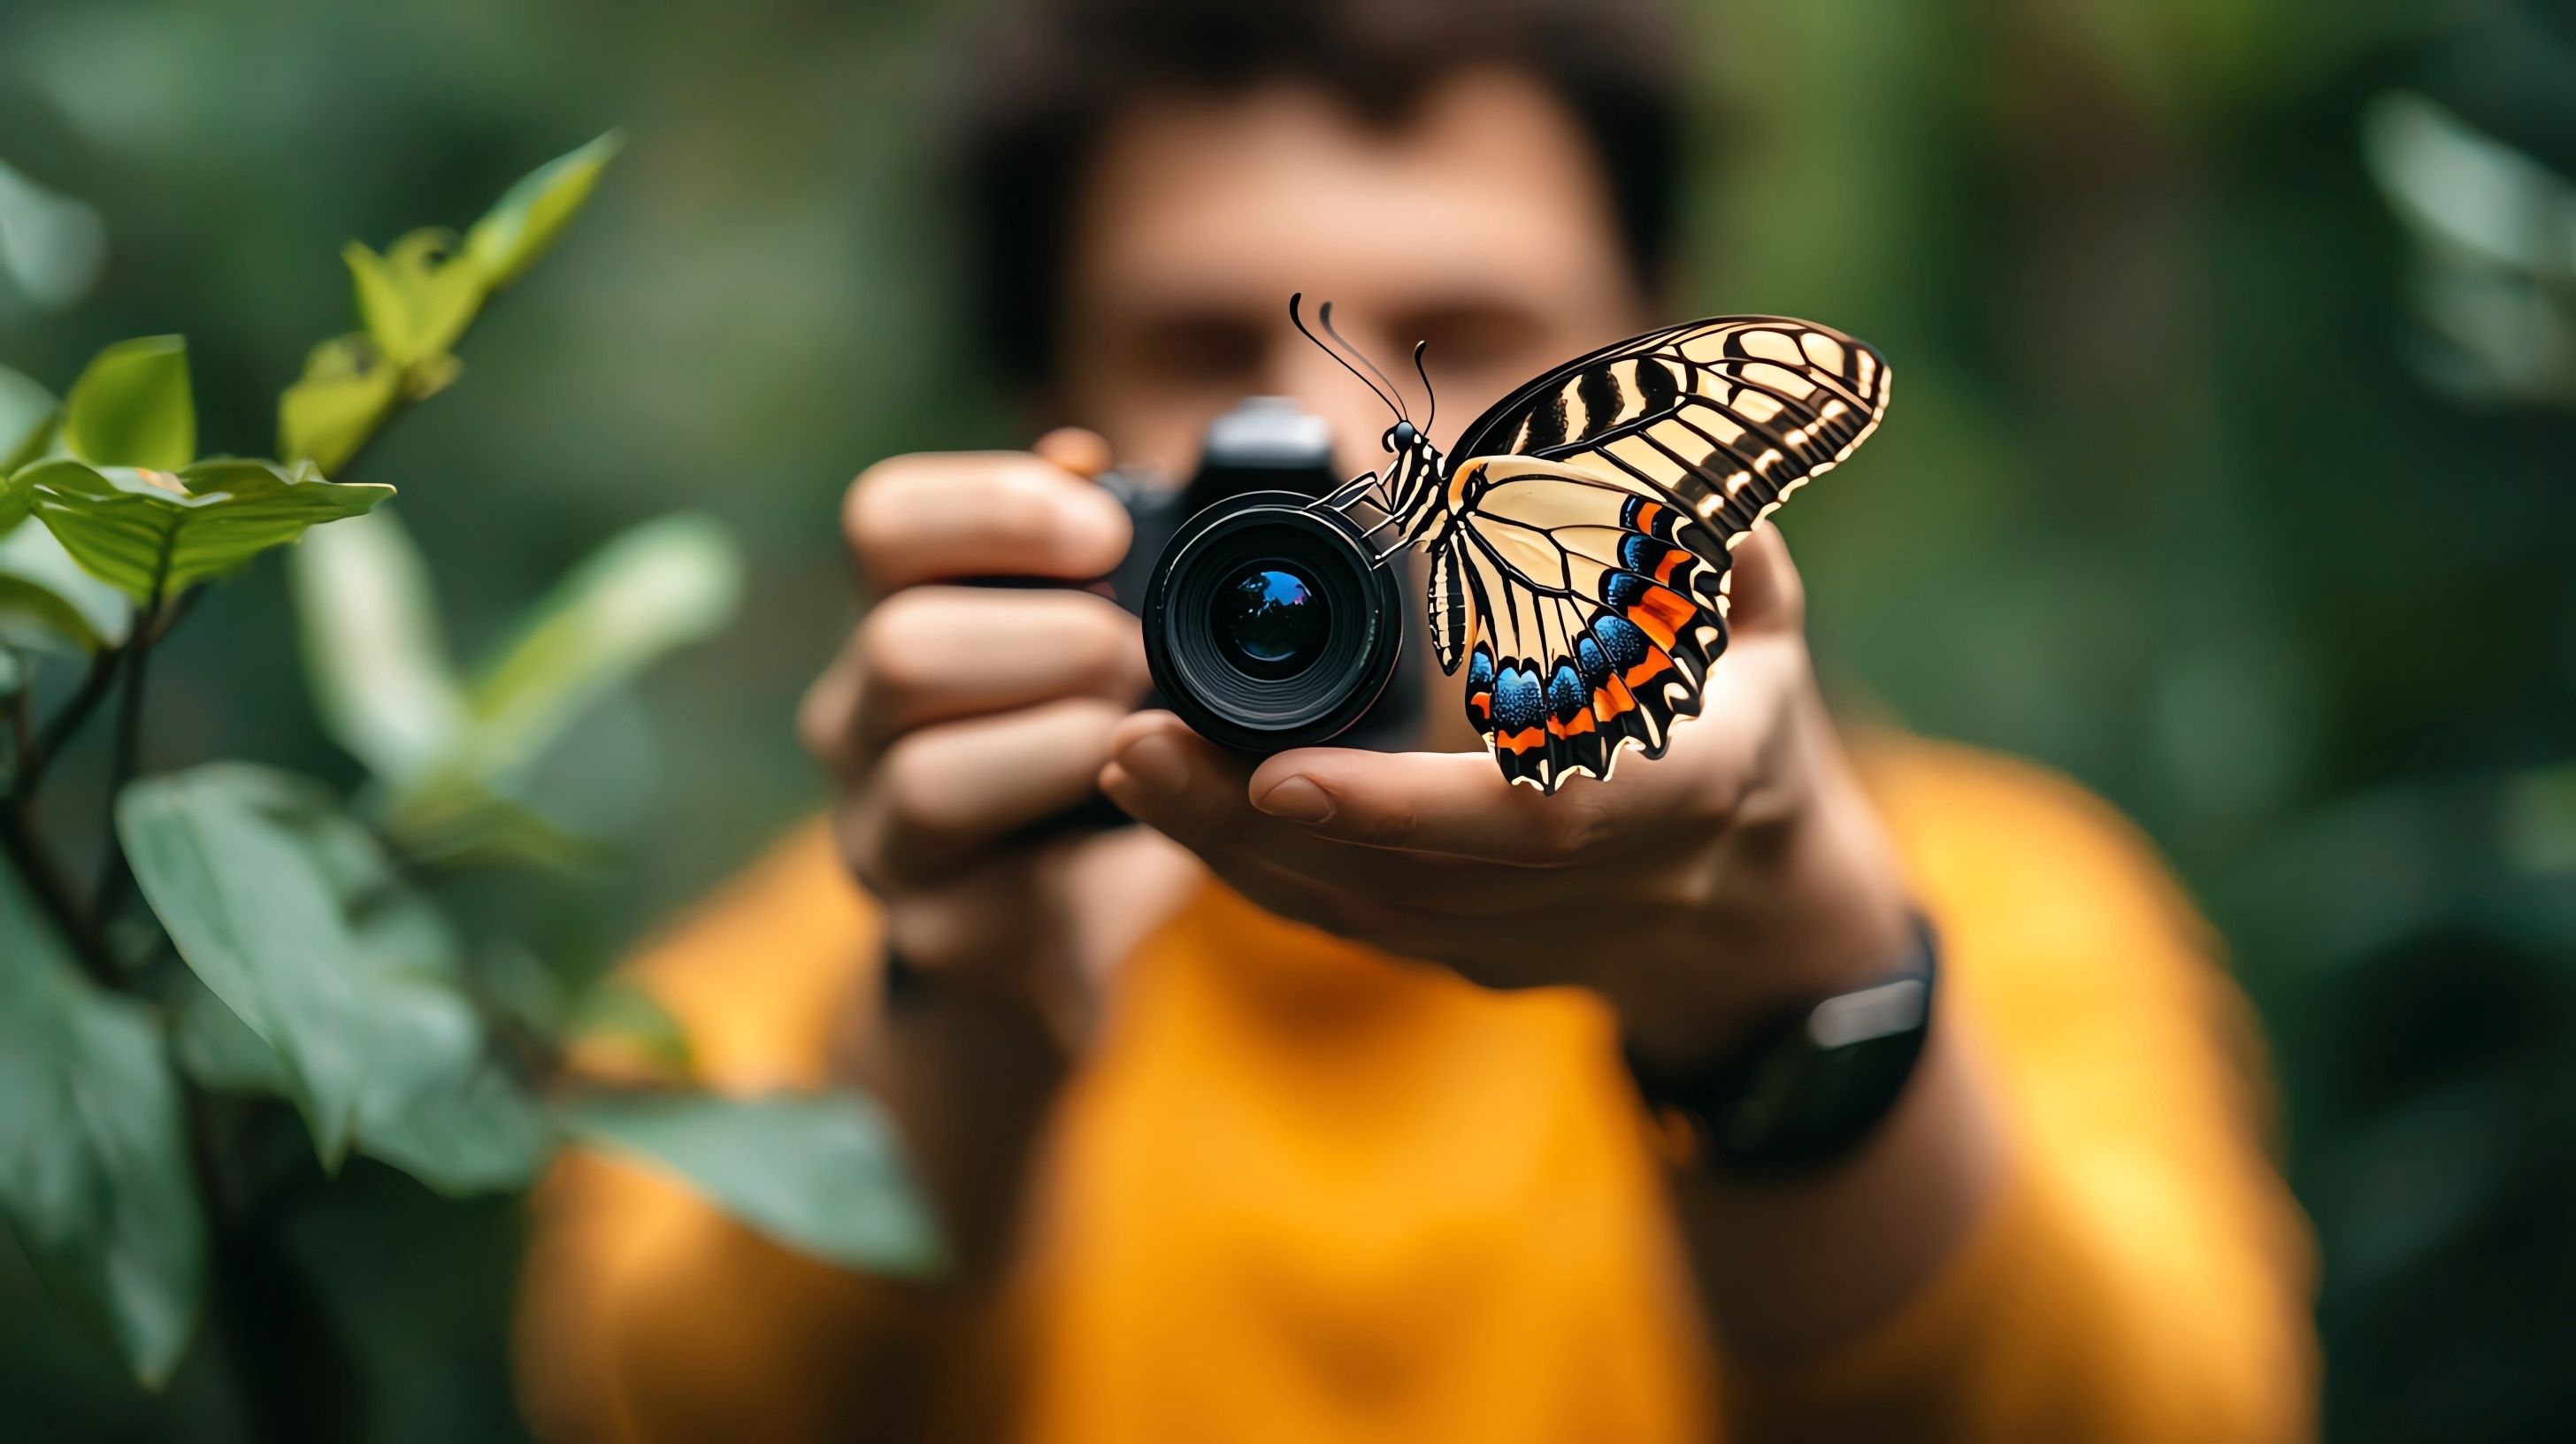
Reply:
x=1582, y=570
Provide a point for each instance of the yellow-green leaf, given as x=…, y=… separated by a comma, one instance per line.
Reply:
x=132, y=407
x=418, y=297
x=47, y=601
x=144, y=531
x=374, y=655
x=526, y=220
x=347, y=389
x=654, y=588
x=27, y=416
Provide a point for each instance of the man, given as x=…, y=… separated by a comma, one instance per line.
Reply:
x=1217, y=1162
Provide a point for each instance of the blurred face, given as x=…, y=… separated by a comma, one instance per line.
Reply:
x=1482, y=226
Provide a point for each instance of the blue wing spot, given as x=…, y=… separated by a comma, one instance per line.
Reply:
x=1623, y=589
x=1621, y=641
x=1589, y=659
x=1566, y=692
x=1518, y=703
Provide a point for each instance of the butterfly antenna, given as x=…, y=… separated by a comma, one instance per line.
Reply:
x=1418, y=348
x=1391, y=388
x=1299, y=322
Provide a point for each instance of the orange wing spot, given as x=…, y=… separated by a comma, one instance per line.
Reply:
x=1656, y=664
x=1673, y=561
x=1612, y=698
x=1582, y=723
x=1482, y=704
x=1646, y=516
x=1527, y=740
x=1662, y=613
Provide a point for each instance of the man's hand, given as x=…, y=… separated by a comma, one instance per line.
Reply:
x=1697, y=892
x=957, y=716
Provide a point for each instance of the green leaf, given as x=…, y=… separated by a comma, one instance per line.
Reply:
x=27, y=415
x=821, y=1173
x=447, y=819
x=30, y=613
x=516, y=984
x=93, y=1158
x=132, y=407
x=46, y=600
x=476, y=1133
x=418, y=297
x=125, y=525
x=660, y=585
x=618, y=1012
x=214, y=1046
x=347, y=390
x=527, y=218
x=373, y=651
x=291, y=915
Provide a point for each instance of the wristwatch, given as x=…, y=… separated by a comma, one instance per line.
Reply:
x=1811, y=1086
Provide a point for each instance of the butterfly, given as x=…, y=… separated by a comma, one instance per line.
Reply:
x=1581, y=532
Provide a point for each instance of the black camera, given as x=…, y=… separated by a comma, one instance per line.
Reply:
x=1268, y=623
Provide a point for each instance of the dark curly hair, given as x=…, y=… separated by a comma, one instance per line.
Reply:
x=1051, y=75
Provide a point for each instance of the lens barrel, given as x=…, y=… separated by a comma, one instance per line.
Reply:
x=1267, y=626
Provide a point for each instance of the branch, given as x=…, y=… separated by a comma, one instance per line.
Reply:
x=22, y=727
x=58, y=731
x=115, y=874
x=53, y=893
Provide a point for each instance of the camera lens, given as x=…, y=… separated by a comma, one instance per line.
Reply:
x=1267, y=626
x=1273, y=620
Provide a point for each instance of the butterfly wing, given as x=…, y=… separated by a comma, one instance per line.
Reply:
x=1586, y=625
x=1583, y=575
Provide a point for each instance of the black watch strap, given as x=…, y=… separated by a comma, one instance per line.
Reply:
x=1811, y=1085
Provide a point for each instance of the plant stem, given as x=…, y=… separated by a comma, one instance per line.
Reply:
x=291, y=1376
x=115, y=874
x=36, y=866
x=58, y=731
x=53, y=893
x=22, y=723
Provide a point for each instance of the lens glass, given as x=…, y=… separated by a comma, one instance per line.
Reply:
x=1273, y=619
x=1269, y=625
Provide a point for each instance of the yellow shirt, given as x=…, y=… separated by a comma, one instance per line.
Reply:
x=1305, y=1191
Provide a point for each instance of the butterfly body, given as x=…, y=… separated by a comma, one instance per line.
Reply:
x=1580, y=535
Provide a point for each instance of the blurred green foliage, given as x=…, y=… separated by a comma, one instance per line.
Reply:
x=2227, y=474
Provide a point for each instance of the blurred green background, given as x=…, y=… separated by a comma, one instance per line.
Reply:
x=2233, y=472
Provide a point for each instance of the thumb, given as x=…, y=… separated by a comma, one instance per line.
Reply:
x=1084, y=453
x=1764, y=592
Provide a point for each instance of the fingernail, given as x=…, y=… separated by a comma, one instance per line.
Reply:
x=1297, y=799
x=1153, y=761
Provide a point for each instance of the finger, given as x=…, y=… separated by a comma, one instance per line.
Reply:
x=922, y=518
x=931, y=654
x=1449, y=803
x=1169, y=777
x=1764, y=592
x=1414, y=904
x=1084, y=453
x=980, y=920
x=1173, y=780
x=942, y=794
x=827, y=717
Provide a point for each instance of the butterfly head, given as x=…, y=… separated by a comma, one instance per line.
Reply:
x=1416, y=472
x=1415, y=476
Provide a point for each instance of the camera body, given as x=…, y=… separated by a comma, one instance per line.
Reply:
x=1268, y=624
